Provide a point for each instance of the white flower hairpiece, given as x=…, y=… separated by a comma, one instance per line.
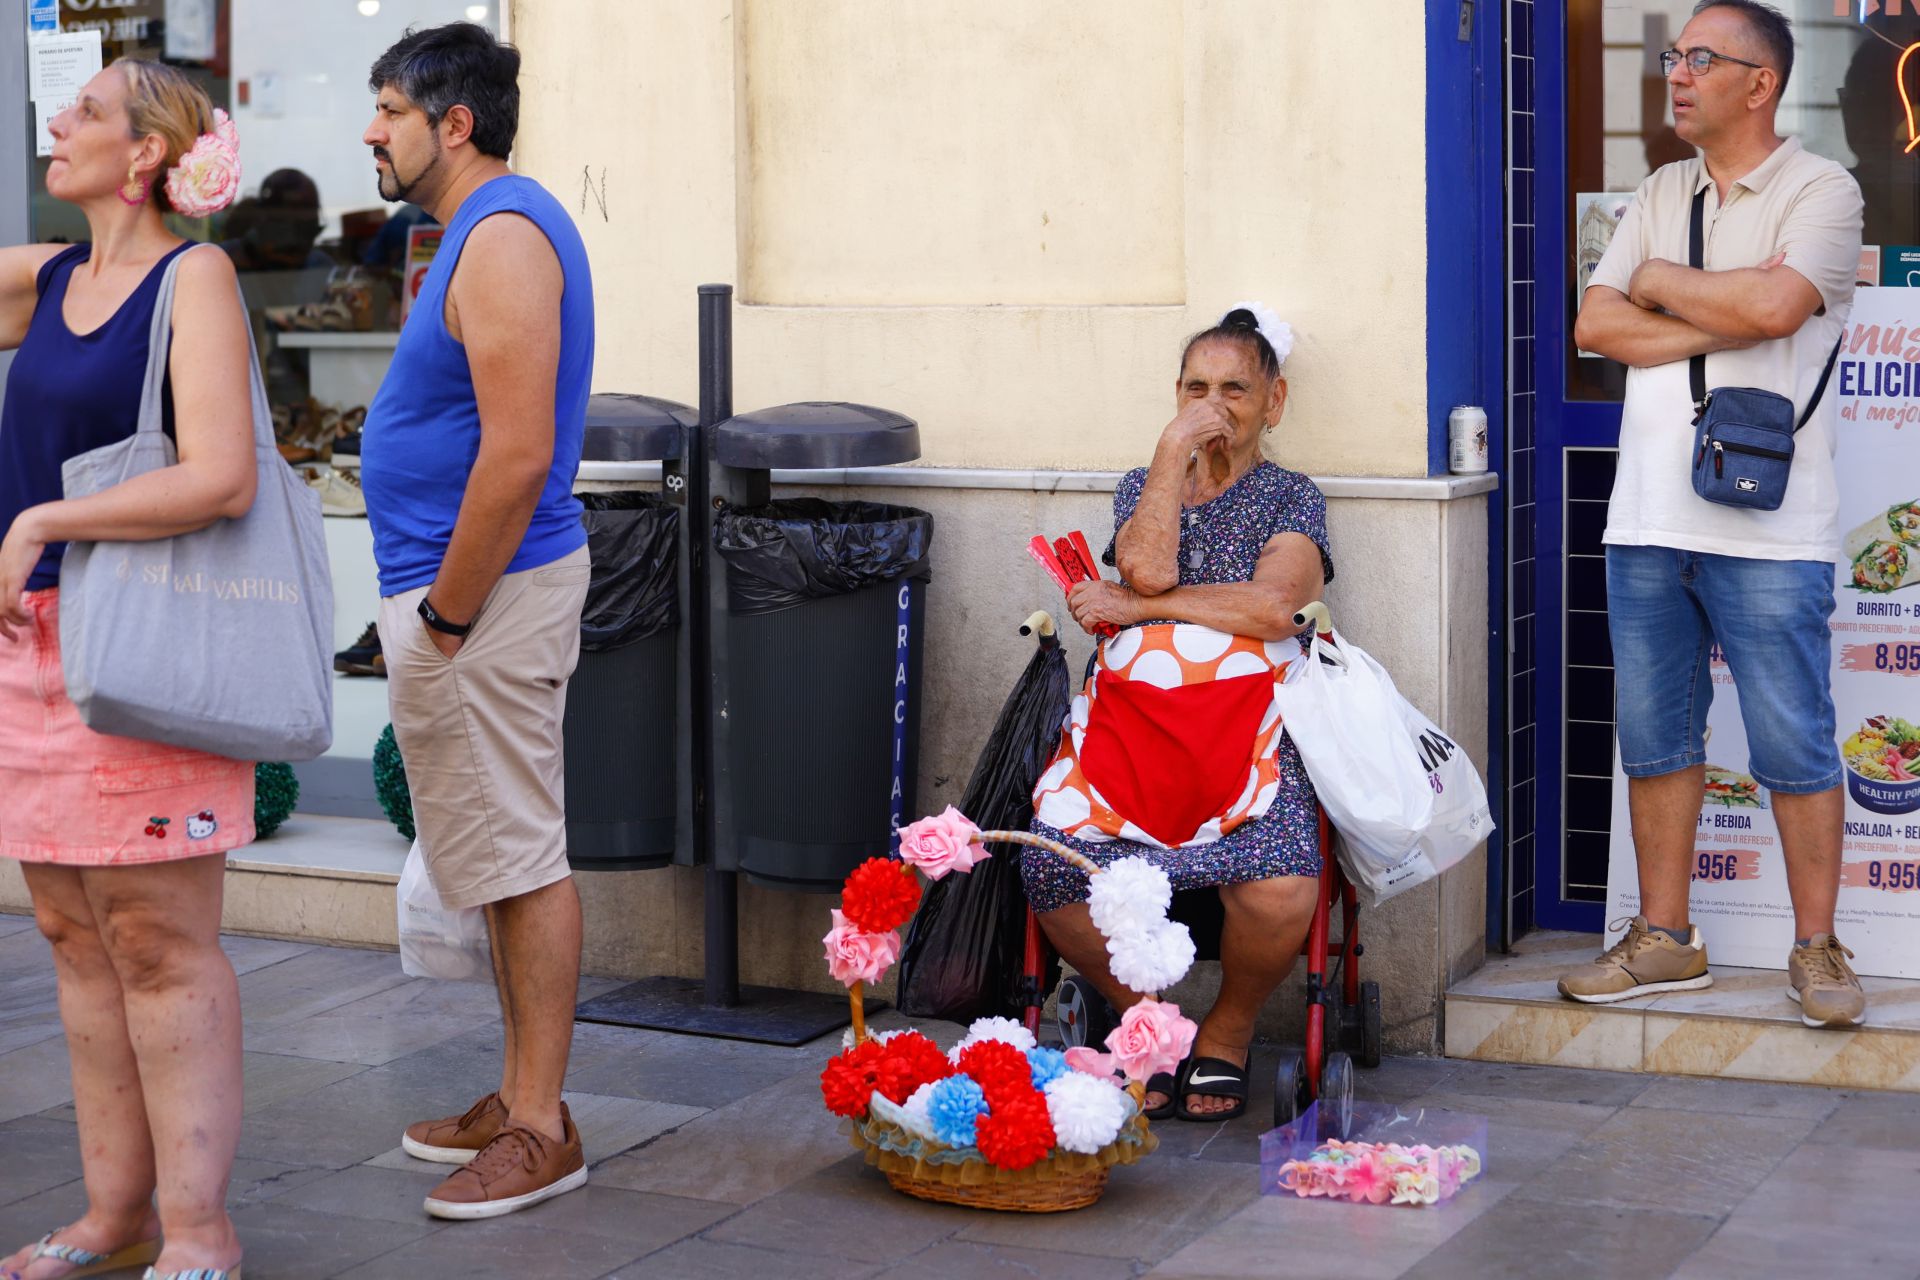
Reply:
x=207, y=178
x=1277, y=332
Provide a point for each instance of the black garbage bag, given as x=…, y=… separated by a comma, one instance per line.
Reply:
x=633, y=539
x=964, y=951
x=799, y=549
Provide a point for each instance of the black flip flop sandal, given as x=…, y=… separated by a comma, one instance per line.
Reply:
x=1165, y=1082
x=1213, y=1078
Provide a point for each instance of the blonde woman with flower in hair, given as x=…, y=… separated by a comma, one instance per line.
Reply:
x=120, y=840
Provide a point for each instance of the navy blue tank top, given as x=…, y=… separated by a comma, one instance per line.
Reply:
x=70, y=393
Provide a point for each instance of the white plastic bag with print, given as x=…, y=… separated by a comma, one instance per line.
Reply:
x=435, y=941
x=1341, y=710
x=1460, y=820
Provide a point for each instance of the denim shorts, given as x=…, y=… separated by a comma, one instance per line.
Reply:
x=1666, y=611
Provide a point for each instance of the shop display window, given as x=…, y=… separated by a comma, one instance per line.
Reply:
x=1850, y=98
x=322, y=259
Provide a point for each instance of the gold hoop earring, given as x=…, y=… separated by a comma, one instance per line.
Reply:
x=133, y=183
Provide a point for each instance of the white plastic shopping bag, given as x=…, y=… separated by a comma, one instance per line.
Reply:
x=436, y=942
x=1340, y=708
x=1404, y=799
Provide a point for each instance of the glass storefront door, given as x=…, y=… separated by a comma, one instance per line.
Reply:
x=1592, y=121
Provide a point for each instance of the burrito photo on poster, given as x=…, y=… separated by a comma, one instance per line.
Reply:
x=1881, y=551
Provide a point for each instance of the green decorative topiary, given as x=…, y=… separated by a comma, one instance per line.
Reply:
x=390, y=783
x=275, y=792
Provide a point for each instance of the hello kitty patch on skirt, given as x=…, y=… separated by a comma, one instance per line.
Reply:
x=1173, y=740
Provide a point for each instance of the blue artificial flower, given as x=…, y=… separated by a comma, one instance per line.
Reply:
x=953, y=1106
x=1047, y=1066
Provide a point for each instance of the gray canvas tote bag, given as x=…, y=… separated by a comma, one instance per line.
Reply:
x=215, y=639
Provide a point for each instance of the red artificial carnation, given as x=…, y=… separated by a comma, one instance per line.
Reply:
x=1017, y=1132
x=997, y=1067
x=908, y=1061
x=880, y=895
x=850, y=1078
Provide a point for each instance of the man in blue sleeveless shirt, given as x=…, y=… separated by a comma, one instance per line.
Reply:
x=468, y=461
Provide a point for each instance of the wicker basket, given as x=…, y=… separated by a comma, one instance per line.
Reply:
x=1064, y=1180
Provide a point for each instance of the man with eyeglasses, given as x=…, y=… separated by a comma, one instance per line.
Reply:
x=1781, y=243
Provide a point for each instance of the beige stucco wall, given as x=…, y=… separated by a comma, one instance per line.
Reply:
x=998, y=216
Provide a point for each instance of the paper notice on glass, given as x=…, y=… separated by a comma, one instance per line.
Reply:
x=190, y=30
x=58, y=65
x=44, y=110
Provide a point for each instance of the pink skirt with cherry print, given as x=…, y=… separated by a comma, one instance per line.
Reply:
x=78, y=798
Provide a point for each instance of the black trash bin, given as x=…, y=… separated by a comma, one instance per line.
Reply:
x=622, y=772
x=826, y=607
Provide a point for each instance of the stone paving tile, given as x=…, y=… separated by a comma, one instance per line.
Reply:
x=1234, y=1141
x=314, y=981
x=269, y=1078
x=738, y=1153
x=961, y=1260
x=25, y=1221
x=249, y=954
x=846, y=1210
x=510, y=1248
x=11, y=923
x=352, y=1120
x=386, y=1025
x=383, y=1195
x=1644, y=1158
x=34, y=1078
x=1816, y=1210
x=639, y=1221
x=1397, y=1079
x=284, y=1242
x=690, y=1071
x=1743, y=1097
x=1522, y=1239
x=609, y=1126
x=1350, y=1241
x=1546, y=1084
x=1524, y=1136
x=700, y=1259
x=1886, y=1120
x=1146, y=1213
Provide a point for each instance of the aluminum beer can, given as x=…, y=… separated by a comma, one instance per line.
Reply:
x=1467, y=440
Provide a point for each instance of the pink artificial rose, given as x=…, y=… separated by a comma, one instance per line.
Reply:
x=207, y=178
x=941, y=844
x=1152, y=1037
x=853, y=956
x=1084, y=1057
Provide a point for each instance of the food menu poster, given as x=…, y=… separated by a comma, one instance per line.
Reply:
x=1740, y=896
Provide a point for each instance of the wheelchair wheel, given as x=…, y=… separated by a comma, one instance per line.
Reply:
x=1370, y=1036
x=1083, y=1015
x=1336, y=1095
x=1290, y=1092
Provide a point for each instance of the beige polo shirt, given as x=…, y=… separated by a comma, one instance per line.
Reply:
x=1794, y=201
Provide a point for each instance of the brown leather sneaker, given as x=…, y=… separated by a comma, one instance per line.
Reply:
x=1641, y=963
x=456, y=1139
x=1823, y=984
x=519, y=1168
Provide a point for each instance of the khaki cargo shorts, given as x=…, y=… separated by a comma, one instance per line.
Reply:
x=480, y=732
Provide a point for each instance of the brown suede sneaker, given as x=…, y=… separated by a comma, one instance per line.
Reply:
x=1641, y=963
x=456, y=1139
x=1823, y=984
x=517, y=1169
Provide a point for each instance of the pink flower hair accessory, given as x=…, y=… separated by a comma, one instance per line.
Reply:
x=1152, y=1038
x=207, y=178
x=853, y=956
x=942, y=843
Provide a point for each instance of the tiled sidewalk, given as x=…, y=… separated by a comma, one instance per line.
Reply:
x=716, y=1159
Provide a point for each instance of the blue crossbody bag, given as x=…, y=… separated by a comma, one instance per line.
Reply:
x=1742, y=436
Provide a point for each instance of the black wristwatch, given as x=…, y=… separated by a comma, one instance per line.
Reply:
x=439, y=623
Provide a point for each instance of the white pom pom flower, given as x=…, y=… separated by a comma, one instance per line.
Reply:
x=1086, y=1112
x=1128, y=896
x=1277, y=332
x=913, y=1113
x=1003, y=1029
x=879, y=1037
x=1153, y=959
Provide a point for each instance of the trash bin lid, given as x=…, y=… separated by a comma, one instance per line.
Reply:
x=816, y=434
x=625, y=428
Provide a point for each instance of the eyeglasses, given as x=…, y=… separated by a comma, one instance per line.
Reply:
x=1699, y=61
